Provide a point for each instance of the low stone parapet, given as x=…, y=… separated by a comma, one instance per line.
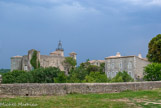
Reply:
x=35, y=89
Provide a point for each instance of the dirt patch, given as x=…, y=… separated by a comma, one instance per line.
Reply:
x=152, y=103
x=6, y=96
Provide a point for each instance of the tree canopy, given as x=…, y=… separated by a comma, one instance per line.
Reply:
x=154, y=52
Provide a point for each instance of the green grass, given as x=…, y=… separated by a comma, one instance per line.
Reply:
x=127, y=99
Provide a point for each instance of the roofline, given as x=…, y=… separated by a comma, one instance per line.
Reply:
x=115, y=57
x=125, y=57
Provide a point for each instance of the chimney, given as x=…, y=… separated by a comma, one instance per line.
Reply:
x=139, y=55
x=118, y=54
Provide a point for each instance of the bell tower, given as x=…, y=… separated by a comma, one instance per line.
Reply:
x=60, y=48
x=59, y=51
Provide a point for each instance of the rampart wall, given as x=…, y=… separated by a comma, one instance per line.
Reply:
x=35, y=89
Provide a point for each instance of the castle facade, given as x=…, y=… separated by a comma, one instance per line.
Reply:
x=55, y=59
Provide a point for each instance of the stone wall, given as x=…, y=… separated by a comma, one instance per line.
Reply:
x=67, y=88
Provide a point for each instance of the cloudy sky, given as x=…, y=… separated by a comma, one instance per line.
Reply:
x=94, y=29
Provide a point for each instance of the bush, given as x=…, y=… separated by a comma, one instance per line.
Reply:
x=152, y=72
x=45, y=75
x=41, y=75
x=17, y=76
x=77, y=75
x=61, y=78
x=122, y=77
x=96, y=77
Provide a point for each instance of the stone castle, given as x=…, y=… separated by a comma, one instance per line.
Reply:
x=55, y=59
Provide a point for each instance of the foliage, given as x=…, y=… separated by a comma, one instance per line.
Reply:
x=17, y=76
x=102, y=68
x=34, y=60
x=41, y=75
x=85, y=64
x=154, y=53
x=96, y=77
x=61, y=78
x=77, y=75
x=122, y=77
x=152, y=72
x=45, y=75
x=92, y=68
x=70, y=63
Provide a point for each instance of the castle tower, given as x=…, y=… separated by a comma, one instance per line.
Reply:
x=73, y=55
x=59, y=51
x=16, y=63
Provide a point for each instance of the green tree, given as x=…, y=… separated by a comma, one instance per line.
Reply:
x=34, y=60
x=102, y=68
x=93, y=68
x=152, y=72
x=45, y=75
x=77, y=75
x=154, y=52
x=61, y=78
x=122, y=77
x=70, y=63
x=96, y=77
x=17, y=76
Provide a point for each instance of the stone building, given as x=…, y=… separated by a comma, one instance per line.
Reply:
x=134, y=65
x=96, y=62
x=55, y=59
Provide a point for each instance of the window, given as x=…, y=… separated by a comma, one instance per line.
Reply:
x=129, y=65
x=130, y=73
x=25, y=68
x=112, y=66
x=113, y=74
x=108, y=66
x=120, y=65
x=116, y=72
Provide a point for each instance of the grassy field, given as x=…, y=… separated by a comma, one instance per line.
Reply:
x=127, y=99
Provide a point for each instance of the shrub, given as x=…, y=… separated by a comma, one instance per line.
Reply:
x=152, y=72
x=122, y=77
x=61, y=78
x=17, y=76
x=45, y=75
x=94, y=77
